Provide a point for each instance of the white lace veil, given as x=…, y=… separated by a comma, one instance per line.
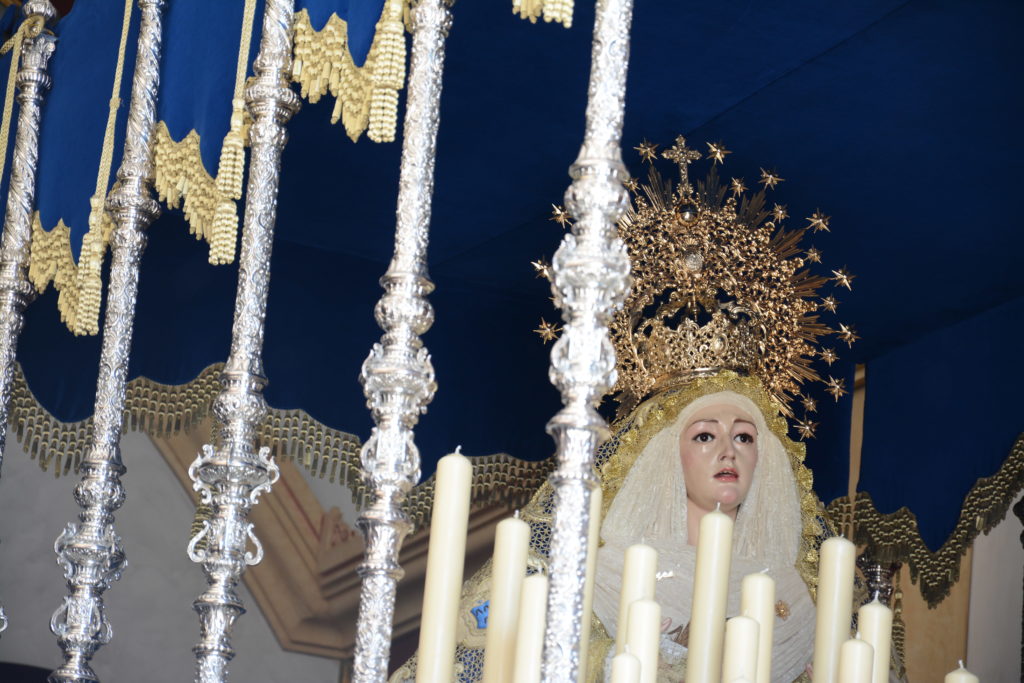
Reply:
x=651, y=504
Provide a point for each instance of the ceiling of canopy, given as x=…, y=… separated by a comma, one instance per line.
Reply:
x=899, y=119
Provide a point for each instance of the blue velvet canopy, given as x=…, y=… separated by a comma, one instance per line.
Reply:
x=898, y=119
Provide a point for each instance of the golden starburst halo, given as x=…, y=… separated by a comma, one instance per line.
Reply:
x=719, y=283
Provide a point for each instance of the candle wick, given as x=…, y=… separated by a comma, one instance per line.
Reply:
x=515, y=515
x=765, y=570
x=458, y=449
x=718, y=507
x=961, y=663
x=858, y=635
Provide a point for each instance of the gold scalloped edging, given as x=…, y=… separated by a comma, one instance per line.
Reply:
x=80, y=285
x=182, y=181
x=896, y=538
x=366, y=96
x=559, y=11
x=162, y=409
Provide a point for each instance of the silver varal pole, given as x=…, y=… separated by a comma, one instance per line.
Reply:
x=15, y=289
x=91, y=552
x=397, y=376
x=231, y=474
x=590, y=279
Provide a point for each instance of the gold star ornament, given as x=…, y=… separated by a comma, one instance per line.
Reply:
x=810, y=405
x=560, y=215
x=779, y=212
x=647, y=150
x=738, y=187
x=770, y=179
x=847, y=334
x=548, y=331
x=632, y=184
x=813, y=255
x=717, y=151
x=829, y=303
x=843, y=278
x=836, y=387
x=818, y=222
x=805, y=428
x=542, y=267
x=829, y=356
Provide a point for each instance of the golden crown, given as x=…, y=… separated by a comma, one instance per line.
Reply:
x=718, y=283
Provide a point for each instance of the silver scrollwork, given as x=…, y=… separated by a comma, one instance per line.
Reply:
x=590, y=279
x=15, y=289
x=397, y=376
x=91, y=552
x=231, y=475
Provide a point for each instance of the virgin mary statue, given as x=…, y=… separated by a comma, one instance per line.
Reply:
x=713, y=345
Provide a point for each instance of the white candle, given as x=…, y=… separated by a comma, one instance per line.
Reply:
x=445, y=557
x=710, y=587
x=835, y=605
x=638, y=579
x=855, y=659
x=961, y=675
x=757, y=600
x=508, y=568
x=644, y=637
x=593, y=536
x=874, y=620
x=530, y=635
x=741, y=643
x=625, y=668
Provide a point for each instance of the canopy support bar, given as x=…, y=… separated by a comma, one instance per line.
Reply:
x=397, y=376
x=15, y=290
x=590, y=280
x=91, y=552
x=231, y=474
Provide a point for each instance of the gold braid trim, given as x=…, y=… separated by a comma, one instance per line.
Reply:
x=559, y=11
x=896, y=538
x=163, y=409
x=366, y=97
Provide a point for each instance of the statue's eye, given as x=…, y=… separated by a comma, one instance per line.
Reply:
x=704, y=437
x=743, y=437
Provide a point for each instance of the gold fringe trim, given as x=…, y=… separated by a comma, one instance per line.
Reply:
x=896, y=538
x=367, y=96
x=558, y=11
x=80, y=284
x=181, y=181
x=162, y=409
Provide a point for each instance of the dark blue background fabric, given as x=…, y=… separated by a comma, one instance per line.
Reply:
x=897, y=119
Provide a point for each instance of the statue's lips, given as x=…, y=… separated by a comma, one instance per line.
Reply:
x=728, y=474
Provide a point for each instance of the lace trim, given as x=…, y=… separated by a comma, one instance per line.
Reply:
x=163, y=409
x=896, y=537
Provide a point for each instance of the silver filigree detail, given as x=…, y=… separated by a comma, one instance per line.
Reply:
x=231, y=475
x=91, y=552
x=397, y=376
x=15, y=290
x=589, y=279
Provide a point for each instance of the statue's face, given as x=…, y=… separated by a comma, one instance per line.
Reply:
x=718, y=448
